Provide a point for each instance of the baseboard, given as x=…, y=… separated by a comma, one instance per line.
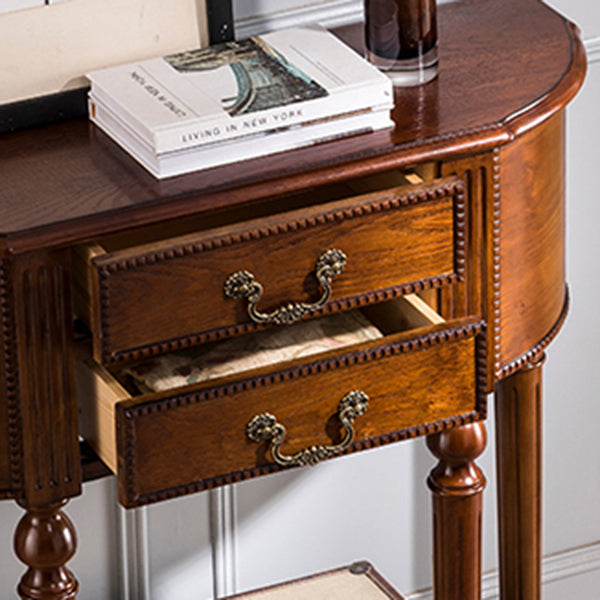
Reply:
x=592, y=47
x=563, y=565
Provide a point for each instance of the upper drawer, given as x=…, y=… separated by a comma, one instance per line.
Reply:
x=167, y=294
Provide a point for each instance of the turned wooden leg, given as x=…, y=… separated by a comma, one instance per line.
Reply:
x=45, y=541
x=457, y=484
x=519, y=460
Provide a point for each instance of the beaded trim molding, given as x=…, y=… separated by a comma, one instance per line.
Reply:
x=106, y=267
x=535, y=353
x=11, y=382
x=127, y=430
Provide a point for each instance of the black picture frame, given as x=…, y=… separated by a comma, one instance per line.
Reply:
x=219, y=16
x=72, y=104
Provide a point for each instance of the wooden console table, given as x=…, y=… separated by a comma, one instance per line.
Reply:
x=461, y=206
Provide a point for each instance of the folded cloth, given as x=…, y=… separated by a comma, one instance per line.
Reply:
x=247, y=352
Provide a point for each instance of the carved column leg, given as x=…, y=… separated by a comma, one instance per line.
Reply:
x=45, y=541
x=457, y=484
x=518, y=427
x=44, y=398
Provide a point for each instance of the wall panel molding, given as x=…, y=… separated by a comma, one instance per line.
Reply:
x=592, y=47
x=328, y=14
x=562, y=565
x=134, y=553
x=222, y=506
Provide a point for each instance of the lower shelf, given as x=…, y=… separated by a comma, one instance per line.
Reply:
x=358, y=581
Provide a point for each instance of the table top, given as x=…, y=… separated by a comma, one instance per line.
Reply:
x=498, y=77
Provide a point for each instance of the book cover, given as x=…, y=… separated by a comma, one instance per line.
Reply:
x=236, y=89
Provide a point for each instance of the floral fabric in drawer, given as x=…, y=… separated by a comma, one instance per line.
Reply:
x=250, y=351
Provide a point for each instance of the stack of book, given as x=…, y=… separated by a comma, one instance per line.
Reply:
x=239, y=100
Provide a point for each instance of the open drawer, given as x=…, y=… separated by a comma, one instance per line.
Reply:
x=420, y=376
x=159, y=296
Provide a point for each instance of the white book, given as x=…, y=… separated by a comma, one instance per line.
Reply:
x=169, y=164
x=236, y=89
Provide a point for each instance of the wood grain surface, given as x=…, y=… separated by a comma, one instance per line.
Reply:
x=44, y=398
x=498, y=77
x=147, y=296
x=493, y=117
x=519, y=461
x=416, y=383
x=45, y=540
x=457, y=484
x=532, y=242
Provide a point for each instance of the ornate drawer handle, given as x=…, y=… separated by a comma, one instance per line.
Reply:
x=241, y=284
x=265, y=427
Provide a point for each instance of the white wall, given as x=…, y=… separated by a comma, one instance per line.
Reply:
x=373, y=505
x=49, y=48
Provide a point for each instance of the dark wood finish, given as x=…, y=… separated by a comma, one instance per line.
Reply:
x=519, y=462
x=5, y=379
x=45, y=402
x=90, y=187
x=457, y=484
x=92, y=467
x=10, y=448
x=45, y=541
x=478, y=292
x=145, y=298
x=43, y=452
x=532, y=243
x=209, y=420
x=500, y=129
x=4, y=459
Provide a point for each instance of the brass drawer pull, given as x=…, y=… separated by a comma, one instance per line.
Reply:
x=265, y=427
x=241, y=284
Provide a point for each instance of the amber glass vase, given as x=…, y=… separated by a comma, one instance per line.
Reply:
x=401, y=39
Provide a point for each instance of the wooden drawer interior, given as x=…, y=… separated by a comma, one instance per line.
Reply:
x=393, y=178
x=151, y=298
x=141, y=436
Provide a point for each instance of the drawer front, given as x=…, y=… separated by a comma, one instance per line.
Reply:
x=162, y=296
x=171, y=445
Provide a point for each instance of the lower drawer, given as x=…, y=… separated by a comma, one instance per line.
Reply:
x=420, y=377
